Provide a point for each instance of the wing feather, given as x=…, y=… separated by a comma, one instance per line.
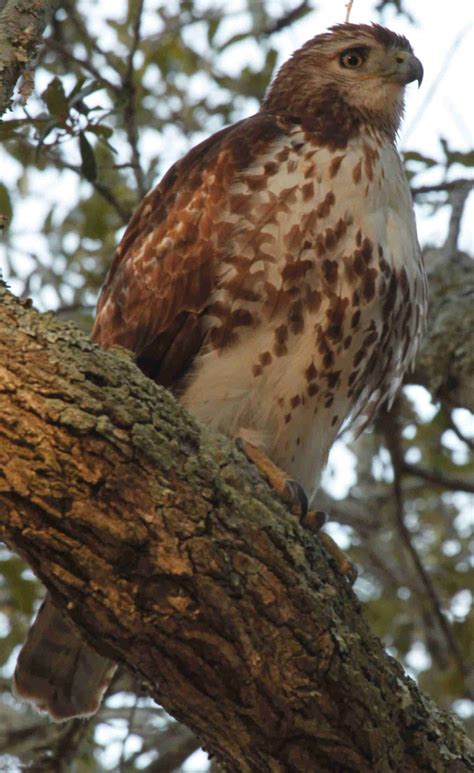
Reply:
x=164, y=270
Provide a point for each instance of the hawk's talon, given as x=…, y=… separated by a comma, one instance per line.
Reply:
x=291, y=492
x=295, y=496
x=314, y=520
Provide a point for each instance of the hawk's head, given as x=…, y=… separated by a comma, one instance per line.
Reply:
x=364, y=67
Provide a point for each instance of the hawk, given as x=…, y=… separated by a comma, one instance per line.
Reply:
x=273, y=281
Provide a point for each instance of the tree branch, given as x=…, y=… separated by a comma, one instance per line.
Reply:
x=445, y=365
x=437, y=478
x=172, y=555
x=21, y=26
x=129, y=88
x=389, y=422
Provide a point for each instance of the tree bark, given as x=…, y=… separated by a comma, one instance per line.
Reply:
x=22, y=23
x=445, y=364
x=172, y=555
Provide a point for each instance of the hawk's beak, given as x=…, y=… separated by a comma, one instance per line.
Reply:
x=407, y=68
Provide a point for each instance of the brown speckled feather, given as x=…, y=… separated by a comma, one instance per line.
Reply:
x=164, y=271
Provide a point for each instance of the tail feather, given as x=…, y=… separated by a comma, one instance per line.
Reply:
x=57, y=671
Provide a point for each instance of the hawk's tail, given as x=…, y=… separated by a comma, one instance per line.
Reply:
x=57, y=671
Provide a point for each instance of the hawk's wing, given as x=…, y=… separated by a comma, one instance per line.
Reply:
x=164, y=271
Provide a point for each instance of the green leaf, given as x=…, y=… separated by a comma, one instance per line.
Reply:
x=100, y=130
x=88, y=165
x=56, y=101
x=6, y=210
x=413, y=155
x=7, y=128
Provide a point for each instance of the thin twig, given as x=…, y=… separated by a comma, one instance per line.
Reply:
x=443, y=187
x=348, y=7
x=286, y=19
x=452, y=425
x=392, y=440
x=83, y=64
x=130, y=729
x=68, y=745
x=444, y=67
x=123, y=212
x=84, y=34
x=457, y=198
x=174, y=758
x=452, y=484
x=129, y=112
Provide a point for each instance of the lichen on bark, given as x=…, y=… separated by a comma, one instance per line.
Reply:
x=172, y=555
x=22, y=23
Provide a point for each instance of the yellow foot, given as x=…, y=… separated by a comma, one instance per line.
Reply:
x=293, y=494
x=288, y=489
x=343, y=563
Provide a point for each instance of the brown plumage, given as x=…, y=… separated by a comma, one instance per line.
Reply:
x=273, y=278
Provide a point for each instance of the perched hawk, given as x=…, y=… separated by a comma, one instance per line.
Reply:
x=272, y=280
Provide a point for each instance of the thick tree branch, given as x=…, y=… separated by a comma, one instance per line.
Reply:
x=173, y=556
x=21, y=26
x=445, y=365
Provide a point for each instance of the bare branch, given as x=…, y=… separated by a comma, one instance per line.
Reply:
x=437, y=478
x=457, y=197
x=129, y=113
x=66, y=748
x=348, y=7
x=445, y=187
x=74, y=16
x=389, y=423
x=287, y=19
x=452, y=425
x=82, y=64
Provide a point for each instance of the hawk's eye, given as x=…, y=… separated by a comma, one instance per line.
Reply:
x=352, y=59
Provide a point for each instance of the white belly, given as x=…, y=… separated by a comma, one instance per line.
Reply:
x=290, y=379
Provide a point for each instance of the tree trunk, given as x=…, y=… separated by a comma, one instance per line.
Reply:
x=172, y=555
x=22, y=23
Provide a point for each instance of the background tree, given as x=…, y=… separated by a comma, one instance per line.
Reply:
x=117, y=95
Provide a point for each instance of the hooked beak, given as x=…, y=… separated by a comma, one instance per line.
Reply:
x=407, y=68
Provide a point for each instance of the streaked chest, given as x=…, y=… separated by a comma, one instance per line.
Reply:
x=314, y=316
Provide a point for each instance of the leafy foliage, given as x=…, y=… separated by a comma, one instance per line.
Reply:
x=120, y=93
